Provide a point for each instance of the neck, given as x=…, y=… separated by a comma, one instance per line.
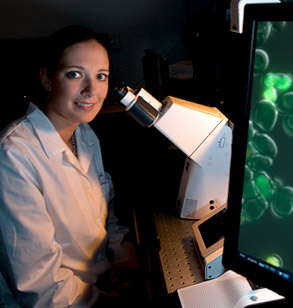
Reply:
x=66, y=135
x=63, y=127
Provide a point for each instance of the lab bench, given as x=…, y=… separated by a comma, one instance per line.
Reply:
x=180, y=264
x=169, y=251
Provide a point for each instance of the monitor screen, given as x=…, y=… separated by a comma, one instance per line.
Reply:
x=259, y=235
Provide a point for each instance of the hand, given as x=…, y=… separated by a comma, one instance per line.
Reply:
x=125, y=259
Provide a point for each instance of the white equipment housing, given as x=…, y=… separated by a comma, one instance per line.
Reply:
x=237, y=12
x=203, y=133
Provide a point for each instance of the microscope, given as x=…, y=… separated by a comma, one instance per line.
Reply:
x=202, y=133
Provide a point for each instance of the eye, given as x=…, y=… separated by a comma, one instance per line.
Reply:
x=74, y=75
x=102, y=77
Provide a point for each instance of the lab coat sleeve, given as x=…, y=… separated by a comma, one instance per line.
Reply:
x=31, y=259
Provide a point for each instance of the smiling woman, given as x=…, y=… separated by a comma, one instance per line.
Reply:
x=78, y=85
x=60, y=242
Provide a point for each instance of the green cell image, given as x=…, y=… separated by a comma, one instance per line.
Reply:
x=282, y=82
x=261, y=61
x=265, y=145
x=282, y=202
x=260, y=162
x=270, y=80
x=288, y=125
x=263, y=32
x=278, y=182
x=278, y=26
x=249, y=191
x=267, y=195
x=270, y=94
x=265, y=115
x=264, y=185
x=285, y=103
x=254, y=209
x=275, y=260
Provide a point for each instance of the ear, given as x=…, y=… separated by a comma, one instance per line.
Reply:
x=45, y=80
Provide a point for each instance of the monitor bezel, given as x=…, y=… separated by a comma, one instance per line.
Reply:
x=231, y=260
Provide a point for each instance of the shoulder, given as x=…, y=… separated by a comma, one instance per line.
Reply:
x=16, y=135
x=20, y=129
x=16, y=162
x=17, y=141
x=11, y=129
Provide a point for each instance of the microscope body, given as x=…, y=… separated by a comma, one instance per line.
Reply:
x=203, y=134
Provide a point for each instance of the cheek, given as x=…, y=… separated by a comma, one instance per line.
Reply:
x=104, y=91
x=62, y=90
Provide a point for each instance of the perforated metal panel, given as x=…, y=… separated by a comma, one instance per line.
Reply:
x=179, y=260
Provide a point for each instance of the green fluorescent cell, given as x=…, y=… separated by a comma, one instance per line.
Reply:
x=280, y=81
x=261, y=61
x=270, y=80
x=264, y=185
x=254, y=209
x=282, y=202
x=284, y=82
x=278, y=26
x=249, y=191
x=265, y=115
x=278, y=182
x=285, y=103
x=259, y=162
x=270, y=94
x=275, y=260
x=265, y=145
x=288, y=125
x=264, y=31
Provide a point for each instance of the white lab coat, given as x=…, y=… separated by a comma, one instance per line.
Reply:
x=53, y=216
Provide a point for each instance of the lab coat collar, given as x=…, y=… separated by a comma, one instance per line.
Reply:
x=48, y=136
x=53, y=144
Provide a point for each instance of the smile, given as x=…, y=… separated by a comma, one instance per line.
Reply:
x=85, y=106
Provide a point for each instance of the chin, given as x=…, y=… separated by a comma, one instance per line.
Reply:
x=87, y=116
x=88, y=119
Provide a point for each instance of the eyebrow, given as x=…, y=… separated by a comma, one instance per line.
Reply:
x=82, y=68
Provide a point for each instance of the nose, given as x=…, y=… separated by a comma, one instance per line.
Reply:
x=89, y=87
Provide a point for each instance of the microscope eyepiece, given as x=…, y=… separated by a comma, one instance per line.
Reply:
x=120, y=90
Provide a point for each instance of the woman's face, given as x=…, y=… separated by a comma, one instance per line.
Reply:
x=79, y=86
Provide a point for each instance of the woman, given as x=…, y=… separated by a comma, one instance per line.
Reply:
x=58, y=233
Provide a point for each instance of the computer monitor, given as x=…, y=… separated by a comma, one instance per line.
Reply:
x=259, y=229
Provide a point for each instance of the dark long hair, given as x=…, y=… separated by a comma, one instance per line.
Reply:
x=59, y=40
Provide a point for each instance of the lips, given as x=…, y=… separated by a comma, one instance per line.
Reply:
x=85, y=106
